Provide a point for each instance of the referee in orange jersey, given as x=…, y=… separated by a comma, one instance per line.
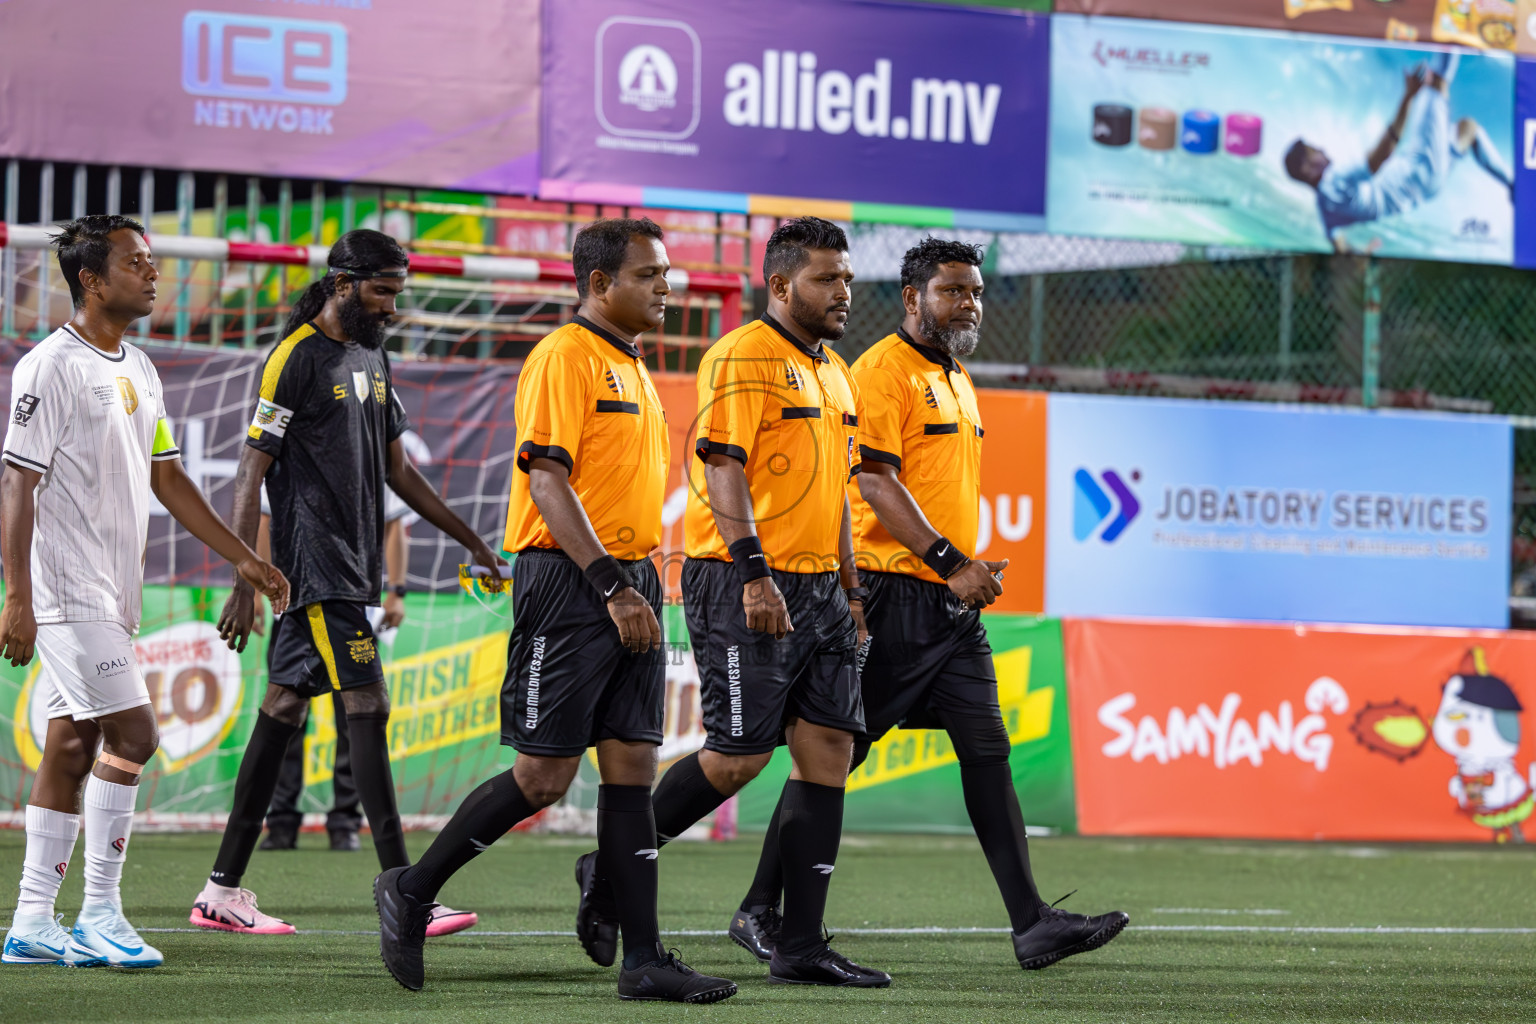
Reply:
x=585, y=665
x=930, y=665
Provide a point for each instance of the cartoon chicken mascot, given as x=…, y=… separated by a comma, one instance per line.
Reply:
x=1478, y=724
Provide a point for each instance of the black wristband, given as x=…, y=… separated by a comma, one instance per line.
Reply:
x=856, y=593
x=748, y=558
x=608, y=576
x=944, y=558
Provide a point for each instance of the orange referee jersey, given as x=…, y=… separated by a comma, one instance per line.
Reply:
x=585, y=399
x=917, y=412
x=790, y=416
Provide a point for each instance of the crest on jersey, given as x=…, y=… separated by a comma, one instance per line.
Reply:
x=362, y=651
x=615, y=383
x=26, y=405
x=379, y=391
x=792, y=377
x=130, y=396
x=930, y=397
x=360, y=384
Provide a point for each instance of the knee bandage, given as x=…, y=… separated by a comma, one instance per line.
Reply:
x=122, y=764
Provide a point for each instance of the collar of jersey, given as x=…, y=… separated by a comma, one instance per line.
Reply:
x=628, y=348
x=817, y=354
x=928, y=352
x=122, y=353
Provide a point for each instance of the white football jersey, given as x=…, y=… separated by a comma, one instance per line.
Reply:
x=91, y=423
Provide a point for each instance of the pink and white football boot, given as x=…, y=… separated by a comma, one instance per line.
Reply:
x=446, y=921
x=234, y=910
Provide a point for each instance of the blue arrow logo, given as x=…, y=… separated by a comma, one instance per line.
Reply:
x=1091, y=505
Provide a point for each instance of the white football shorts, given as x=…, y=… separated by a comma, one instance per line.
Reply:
x=88, y=669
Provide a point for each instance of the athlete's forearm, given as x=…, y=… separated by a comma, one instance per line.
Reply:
x=246, y=517
x=730, y=499
x=16, y=522
x=562, y=512
x=897, y=510
x=1389, y=138
x=406, y=481
x=394, y=552
x=189, y=507
x=848, y=572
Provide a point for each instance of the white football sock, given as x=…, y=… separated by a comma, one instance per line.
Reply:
x=108, y=821
x=50, y=841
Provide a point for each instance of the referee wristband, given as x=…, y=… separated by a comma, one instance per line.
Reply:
x=944, y=558
x=748, y=558
x=608, y=576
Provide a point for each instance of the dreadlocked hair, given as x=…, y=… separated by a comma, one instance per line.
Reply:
x=357, y=251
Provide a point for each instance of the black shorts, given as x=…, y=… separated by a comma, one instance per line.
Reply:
x=751, y=684
x=328, y=645
x=928, y=653
x=570, y=682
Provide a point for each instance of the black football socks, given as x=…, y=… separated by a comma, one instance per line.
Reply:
x=626, y=857
x=487, y=814
x=810, y=828
x=768, y=883
x=999, y=824
x=375, y=783
x=683, y=797
x=254, y=785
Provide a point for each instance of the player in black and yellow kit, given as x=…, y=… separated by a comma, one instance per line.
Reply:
x=585, y=666
x=770, y=557
x=326, y=438
x=930, y=665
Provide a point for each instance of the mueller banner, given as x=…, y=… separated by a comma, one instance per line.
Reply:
x=1483, y=24
x=443, y=94
x=1273, y=140
x=858, y=100
x=1182, y=509
x=1276, y=732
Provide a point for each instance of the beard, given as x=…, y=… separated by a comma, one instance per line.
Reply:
x=812, y=319
x=957, y=341
x=363, y=327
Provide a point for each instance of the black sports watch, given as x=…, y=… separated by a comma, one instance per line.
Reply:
x=398, y=590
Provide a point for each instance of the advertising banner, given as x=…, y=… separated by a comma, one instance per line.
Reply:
x=1525, y=171
x=443, y=94
x=860, y=100
x=1483, y=24
x=1288, y=733
x=1183, y=509
x=1307, y=143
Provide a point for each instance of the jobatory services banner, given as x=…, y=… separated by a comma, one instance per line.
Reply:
x=1483, y=24
x=1206, y=510
x=443, y=94
x=858, y=100
x=1242, y=137
x=1279, y=732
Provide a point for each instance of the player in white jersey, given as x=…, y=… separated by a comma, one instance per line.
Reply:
x=87, y=443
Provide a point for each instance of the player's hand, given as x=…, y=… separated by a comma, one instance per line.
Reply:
x=856, y=606
x=638, y=629
x=765, y=608
x=482, y=554
x=259, y=623
x=18, y=632
x=394, y=611
x=265, y=578
x=239, y=615
x=974, y=583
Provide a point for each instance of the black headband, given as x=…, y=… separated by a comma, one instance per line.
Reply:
x=361, y=274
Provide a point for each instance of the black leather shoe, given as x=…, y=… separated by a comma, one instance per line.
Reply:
x=280, y=839
x=1059, y=934
x=758, y=933
x=345, y=840
x=402, y=928
x=823, y=966
x=597, y=926
x=670, y=980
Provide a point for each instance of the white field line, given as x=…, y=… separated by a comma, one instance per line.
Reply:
x=1263, y=929
x=1254, y=911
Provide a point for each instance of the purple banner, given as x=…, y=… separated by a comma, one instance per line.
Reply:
x=853, y=100
x=440, y=95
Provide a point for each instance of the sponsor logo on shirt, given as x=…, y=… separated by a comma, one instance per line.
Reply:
x=272, y=418
x=362, y=651
x=615, y=383
x=130, y=396
x=929, y=397
x=26, y=405
x=792, y=377
x=111, y=668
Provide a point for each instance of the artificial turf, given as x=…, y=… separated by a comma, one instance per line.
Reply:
x=1219, y=931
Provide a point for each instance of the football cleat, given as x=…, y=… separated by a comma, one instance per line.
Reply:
x=102, y=928
x=597, y=927
x=235, y=913
x=402, y=929
x=41, y=940
x=1059, y=934
x=757, y=933
x=446, y=921
x=668, y=979
x=824, y=966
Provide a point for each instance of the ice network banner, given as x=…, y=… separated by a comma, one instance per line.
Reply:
x=1251, y=138
x=1223, y=511
x=863, y=101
